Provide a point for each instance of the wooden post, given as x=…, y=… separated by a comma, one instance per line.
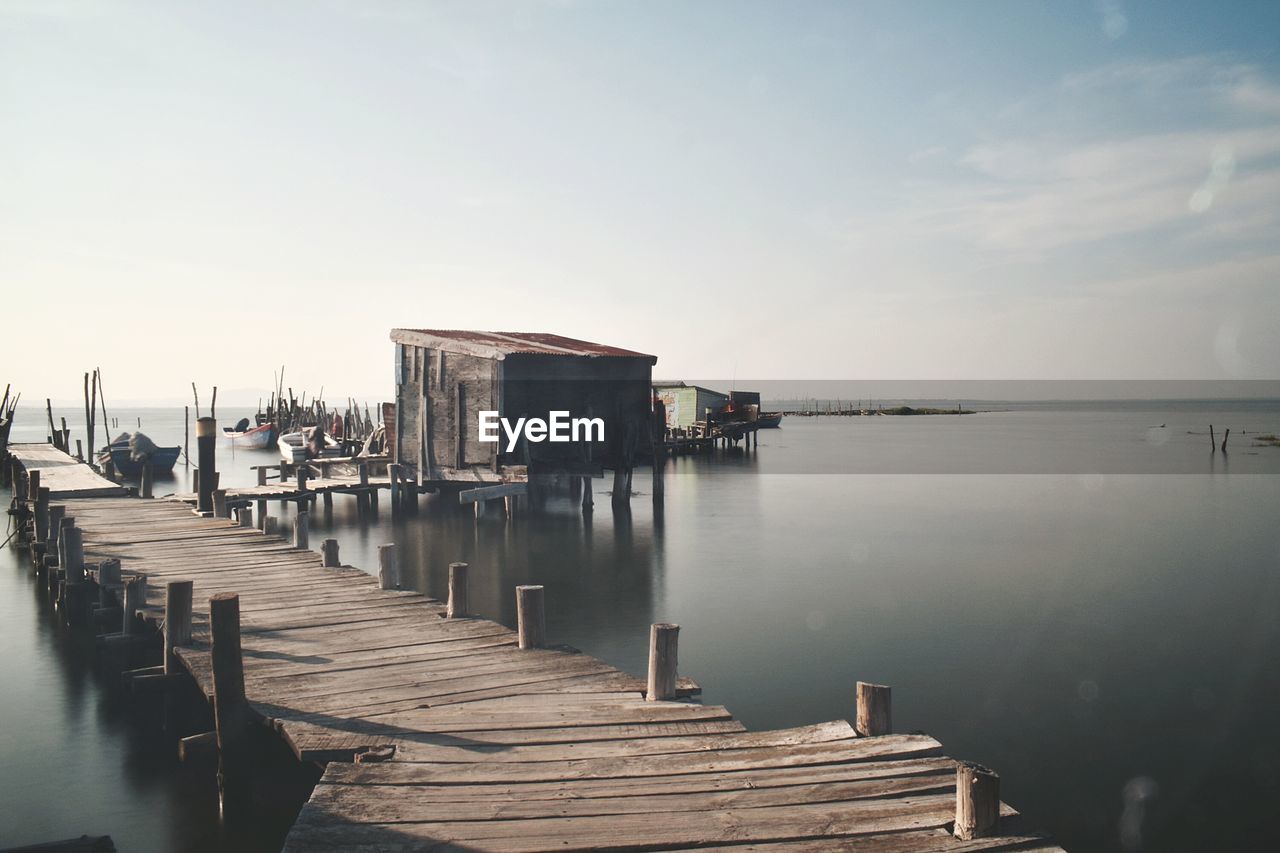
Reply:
x=79, y=450
x=232, y=715
x=146, y=481
x=302, y=530
x=531, y=620
x=245, y=516
x=270, y=525
x=177, y=621
x=75, y=591
x=977, y=801
x=108, y=580
x=43, y=519
x=1213, y=442
x=108, y=466
x=874, y=716
x=329, y=554
x=388, y=567
x=53, y=526
x=33, y=485
x=206, y=435
x=262, y=515
x=134, y=598
x=57, y=540
x=186, y=436
x=302, y=473
x=262, y=476
x=1224, y=439
x=621, y=494
x=71, y=555
x=393, y=473
x=663, y=642
x=220, y=509
x=457, y=607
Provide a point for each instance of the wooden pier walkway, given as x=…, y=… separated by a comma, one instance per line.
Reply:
x=443, y=733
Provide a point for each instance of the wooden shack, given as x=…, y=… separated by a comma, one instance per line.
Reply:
x=688, y=404
x=446, y=378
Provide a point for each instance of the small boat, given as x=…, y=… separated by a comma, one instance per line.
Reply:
x=769, y=420
x=293, y=446
x=251, y=438
x=126, y=447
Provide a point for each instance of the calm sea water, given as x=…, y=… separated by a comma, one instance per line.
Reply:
x=1076, y=596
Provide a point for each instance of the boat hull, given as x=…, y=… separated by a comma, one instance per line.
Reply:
x=251, y=439
x=161, y=462
x=769, y=420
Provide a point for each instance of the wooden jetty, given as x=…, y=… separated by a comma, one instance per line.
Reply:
x=444, y=730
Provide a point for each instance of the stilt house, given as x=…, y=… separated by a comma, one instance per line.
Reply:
x=446, y=378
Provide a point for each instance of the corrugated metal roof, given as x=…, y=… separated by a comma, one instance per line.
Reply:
x=506, y=343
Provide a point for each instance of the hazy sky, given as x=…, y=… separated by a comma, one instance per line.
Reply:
x=203, y=191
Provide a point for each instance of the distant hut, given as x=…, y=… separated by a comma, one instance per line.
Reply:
x=687, y=405
x=446, y=378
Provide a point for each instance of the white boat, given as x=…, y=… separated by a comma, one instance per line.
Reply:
x=257, y=438
x=293, y=446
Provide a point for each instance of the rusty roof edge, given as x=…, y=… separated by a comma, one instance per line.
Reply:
x=498, y=345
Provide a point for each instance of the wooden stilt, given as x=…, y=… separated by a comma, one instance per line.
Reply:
x=302, y=530
x=329, y=554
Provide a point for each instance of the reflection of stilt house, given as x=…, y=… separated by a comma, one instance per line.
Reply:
x=445, y=378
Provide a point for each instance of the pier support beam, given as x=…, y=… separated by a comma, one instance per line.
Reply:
x=531, y=619
x=977, y=801
x=146, y=481
x=329, y=554
x=457, y=606
x=177, y=622
x=388, y=567
x=663, y=661
x=206, y=435
x=874, y=711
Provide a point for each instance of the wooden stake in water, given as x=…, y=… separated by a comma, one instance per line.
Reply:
x=874, y=711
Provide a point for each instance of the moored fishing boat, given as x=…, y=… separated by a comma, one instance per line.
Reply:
x=293, y=446
x=769, y=420
x=250, y=438
x=130, y=452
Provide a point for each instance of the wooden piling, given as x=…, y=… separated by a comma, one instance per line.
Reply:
x=393, y=474
x=177, y=622
x=220, y=509
x=329, y=554
x=262, y=475
x=663, y=661
x=1224, y=439
x=206, y=435
x=134, y=597
x=146, y=481
x=33, y=485
x=457, y=606
x=79, y=450
x=302, y=530
x=874, y=710
x=232, y=715
x=245, y=516
x=388, y=567
x=42, y=516
x=108, y=581
x=531, y=620
x=302, y=473
x=977, y=801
